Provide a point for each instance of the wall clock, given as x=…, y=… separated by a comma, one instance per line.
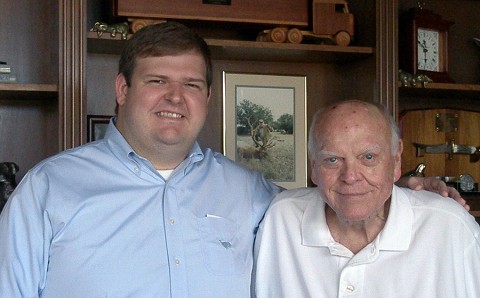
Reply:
x=423, y=44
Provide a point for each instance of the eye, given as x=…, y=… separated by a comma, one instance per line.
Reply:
x=370, y=159
x=157, y=81
x=193, y=85
x=197, y=85
x=331, y=160
x=328, y=159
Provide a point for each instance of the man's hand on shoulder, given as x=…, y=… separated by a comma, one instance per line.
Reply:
x=435, y=185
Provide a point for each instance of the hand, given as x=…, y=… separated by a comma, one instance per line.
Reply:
x=435, y=185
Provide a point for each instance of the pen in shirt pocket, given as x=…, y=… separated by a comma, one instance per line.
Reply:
x=212, y=216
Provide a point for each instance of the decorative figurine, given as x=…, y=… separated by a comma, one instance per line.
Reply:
x=419, y=171
x=408, y=79
x=121, y=28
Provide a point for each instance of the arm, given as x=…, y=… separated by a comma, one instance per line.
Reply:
x=22, y=254
x=434, y=185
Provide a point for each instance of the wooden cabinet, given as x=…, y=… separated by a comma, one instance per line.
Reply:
x=39, y=115
x=428, y=132
x=29, y=111
x=333, y=72
x=464, y=94
x=65, y=72
x=464, y=60
x=75, y=71
x=464, y=63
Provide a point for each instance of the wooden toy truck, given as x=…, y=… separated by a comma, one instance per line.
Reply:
x=330, y=19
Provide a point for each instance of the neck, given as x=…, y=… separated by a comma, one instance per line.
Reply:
x=167, y=160
x=164, y=157
x=355, y=235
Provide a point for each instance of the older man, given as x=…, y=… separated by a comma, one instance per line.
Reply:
x=358, y=235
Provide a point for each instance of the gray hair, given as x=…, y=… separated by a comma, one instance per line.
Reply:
x=394, y=129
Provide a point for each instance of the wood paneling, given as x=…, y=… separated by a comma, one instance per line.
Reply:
x=420, y=127
x=276, y=12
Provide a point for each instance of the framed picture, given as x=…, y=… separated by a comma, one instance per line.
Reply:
x=97, y=126
x=265, y=125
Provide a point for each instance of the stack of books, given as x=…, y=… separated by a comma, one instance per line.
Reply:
x=6, y=75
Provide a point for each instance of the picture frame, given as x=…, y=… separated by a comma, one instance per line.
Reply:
x=264, y=125
x=97, y=126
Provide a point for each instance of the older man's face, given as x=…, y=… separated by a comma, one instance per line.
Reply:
x=354, y=167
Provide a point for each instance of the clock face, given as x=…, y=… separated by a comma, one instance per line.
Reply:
x=467, y=183
x=428, y=49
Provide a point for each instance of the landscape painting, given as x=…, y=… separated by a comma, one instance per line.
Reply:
x=265, y=125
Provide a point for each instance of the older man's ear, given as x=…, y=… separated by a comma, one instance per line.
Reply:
x=398, y=161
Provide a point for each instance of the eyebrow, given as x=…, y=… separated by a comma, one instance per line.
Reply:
x=326, y=152
x=373, y=147
x=368, y=149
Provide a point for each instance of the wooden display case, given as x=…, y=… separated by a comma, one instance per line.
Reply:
x=276, y=12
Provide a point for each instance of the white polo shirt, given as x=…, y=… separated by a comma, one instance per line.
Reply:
x=429, y=247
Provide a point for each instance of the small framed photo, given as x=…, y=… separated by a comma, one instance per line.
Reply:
x=97, y=126
x=265, y=125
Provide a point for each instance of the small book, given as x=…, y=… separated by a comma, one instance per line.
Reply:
x=5, y=68
x=7, y=78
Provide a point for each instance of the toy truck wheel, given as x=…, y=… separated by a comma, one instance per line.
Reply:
x=278, y=35
x=342, y=38
x=294, y=35
x=137, y=24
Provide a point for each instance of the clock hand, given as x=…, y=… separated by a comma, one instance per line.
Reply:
x=425, y=55
x=423, y=44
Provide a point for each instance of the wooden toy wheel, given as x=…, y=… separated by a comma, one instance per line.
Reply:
x=294, y=35
x=137, y=24
x=278, y=35
x=342, y=38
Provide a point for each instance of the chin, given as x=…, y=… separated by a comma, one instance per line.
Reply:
x=354, y=214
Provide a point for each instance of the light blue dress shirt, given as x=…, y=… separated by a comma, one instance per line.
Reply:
x=99, y=221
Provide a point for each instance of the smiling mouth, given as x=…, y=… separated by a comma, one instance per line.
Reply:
x=352, y=194
x=169, y=115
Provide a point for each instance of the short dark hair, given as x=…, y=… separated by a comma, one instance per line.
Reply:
x=164, y=39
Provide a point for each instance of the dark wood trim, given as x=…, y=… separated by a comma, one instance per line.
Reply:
x=387, y=54
x=72, y=49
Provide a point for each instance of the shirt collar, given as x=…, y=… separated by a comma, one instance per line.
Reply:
x=397, y=232
x=123, y=151
x=314, y=224
x=396, y=235
x=117, y=143
x=195, y=155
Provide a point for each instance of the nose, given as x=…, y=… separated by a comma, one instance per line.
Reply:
x=174, y=91
x=350, y=172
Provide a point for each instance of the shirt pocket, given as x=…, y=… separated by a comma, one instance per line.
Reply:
x=222, y=253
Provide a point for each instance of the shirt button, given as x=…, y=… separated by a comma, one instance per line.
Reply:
x=177, y=262
x=135, y=169
x=350, y=288
x=373, y=249
x=172, y=221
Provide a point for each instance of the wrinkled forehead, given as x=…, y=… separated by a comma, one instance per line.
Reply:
x=350, y=116
x=351, y=108
x=349, y=112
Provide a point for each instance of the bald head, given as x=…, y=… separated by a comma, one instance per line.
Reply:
x=340, y=117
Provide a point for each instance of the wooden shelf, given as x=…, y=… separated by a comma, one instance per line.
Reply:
x=28, y=91
x=440, y=95
x=443, y=90
x=252, y=50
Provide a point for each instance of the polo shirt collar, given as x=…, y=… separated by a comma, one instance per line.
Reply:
x=395, y=236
